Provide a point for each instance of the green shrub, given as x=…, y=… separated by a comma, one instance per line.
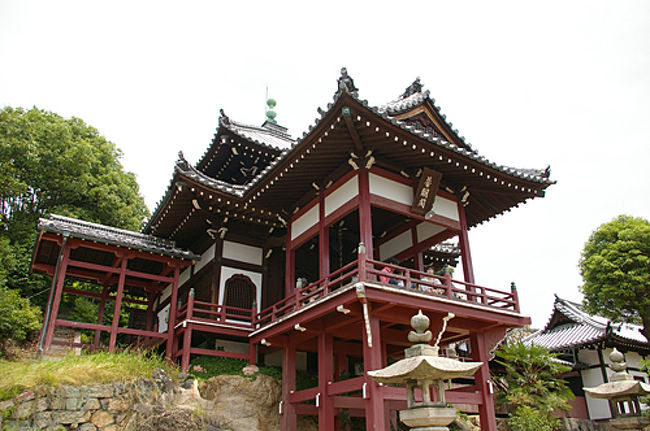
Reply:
x=526, y=418
x=205, y=367
x=18, y=318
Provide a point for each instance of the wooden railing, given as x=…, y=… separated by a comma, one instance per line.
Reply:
x=362, y=269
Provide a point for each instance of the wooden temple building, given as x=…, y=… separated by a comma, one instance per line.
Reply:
x=276, y=250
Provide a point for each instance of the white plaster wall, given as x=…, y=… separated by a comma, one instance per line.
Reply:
x=256, y=278
x=342, y=195
x=589, y=357
x=206, y=257
x=390, y=189
x=242, y=252
x=166, y=293
x=163, y=319
x=274, y=359
x=184, y=276
x=446, y=208
x=305, y=221
x=427, y=230
x=231, y=346
x=597, y=408
x=395, y=245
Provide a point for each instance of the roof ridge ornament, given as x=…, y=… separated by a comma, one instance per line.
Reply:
x=270, y=113
x=223, y=118
x=346, y=84
x=415, y=87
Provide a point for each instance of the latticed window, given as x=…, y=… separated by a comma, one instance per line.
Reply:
x=239, y=292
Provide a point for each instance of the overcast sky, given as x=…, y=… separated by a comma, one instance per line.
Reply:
x=565, y=83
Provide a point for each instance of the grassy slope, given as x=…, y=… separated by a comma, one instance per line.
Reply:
x=16, y=376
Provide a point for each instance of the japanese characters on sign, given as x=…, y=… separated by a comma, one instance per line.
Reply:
x=425, y=193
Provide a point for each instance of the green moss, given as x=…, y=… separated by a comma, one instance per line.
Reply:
x=205, y=367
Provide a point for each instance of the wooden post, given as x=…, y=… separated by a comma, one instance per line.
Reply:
x=149, y=324
x=482, y=376
x=187, y=335
x=463, y=242
x=288, y=421
x=100, y=317
x=172, y=315
x=325, y=377
x=289, y=265
x=374, y=400
x=57, y=292
x=323, y=239
x=365, y=212
x=118, y=305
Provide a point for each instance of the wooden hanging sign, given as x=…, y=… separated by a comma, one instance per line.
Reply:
x=425, y=193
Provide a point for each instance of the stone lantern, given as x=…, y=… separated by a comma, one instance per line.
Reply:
x=424, y=369
x=624, y=393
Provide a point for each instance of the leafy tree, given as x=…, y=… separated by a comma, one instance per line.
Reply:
x=532, y=387
x=615, y=267
x=49, y=164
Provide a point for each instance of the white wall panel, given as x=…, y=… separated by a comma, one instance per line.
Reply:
x=185, y=276
x=305, y=221
x=242, y=252
x=206, y=257
x=426, y=230
x=256, y=278
x=390, y=189
x=446, y=208
x=341, y=195
x=395, y=245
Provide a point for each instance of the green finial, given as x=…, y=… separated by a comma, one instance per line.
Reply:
x=270, y=113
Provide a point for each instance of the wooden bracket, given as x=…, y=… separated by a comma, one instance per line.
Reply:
x=347, y=116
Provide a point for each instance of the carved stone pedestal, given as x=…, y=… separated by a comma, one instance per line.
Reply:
x=630, y=423
x=428, y=418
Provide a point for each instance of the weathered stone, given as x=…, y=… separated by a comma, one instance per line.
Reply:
x=86, y=417
x=119, y=418
x=162, y=379
x=23, y=425
x=58, y=403
x=111, y=428
x=143, y=409
x=41, y=404
x=187, y=384
x=25, y=396
x=73, y=403
x=91, y=404
x=116, y=405
x=144, y=387
x=67, y=416
x=42, y=420
x=101, y=391
x=250, y=370
x=87, y=427
x=104, y=403
x=68, y=391
x=120, y=388
x=22, y=410
x=101, y=419
x=6, y=405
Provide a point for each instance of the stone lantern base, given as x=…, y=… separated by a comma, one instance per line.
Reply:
x=428, y=418
x=630, y=423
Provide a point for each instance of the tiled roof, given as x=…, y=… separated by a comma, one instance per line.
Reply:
x=111, y=235
x=270, y=135
x=580, y=329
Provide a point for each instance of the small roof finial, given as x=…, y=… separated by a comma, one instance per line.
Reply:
x=270, y=113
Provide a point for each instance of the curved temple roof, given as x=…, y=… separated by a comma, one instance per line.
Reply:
x=570, y=326
x=110, y=235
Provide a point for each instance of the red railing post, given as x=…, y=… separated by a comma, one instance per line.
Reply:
x=223, y=313
x=253, y=311
x=190, y=304
x=362, y=262
x=515, y=297
x=448, y=285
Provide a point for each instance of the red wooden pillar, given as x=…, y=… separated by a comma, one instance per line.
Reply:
x=100, y=317
x=289, y=265
x=325, y=377
x=482, y=376
x=288, y=421
x=172, y=315
x=365, y=212
x=187, y=335
x=372, y=360
x=323, y=239
x=463, y=242
x=118, y=305
x=418, y=259
x=150, y=302
x=57, y=292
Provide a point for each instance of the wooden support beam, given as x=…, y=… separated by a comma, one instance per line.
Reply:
x=463, y=242
x=173, y=303
x=483, y=384
x=100, y=315
x=288, y=421
x=372, y=360
x=325, y=378
x=57, y=291
x=358, y=145
x=118, y=305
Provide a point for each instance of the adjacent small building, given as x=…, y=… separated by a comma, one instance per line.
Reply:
x=584, y=341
